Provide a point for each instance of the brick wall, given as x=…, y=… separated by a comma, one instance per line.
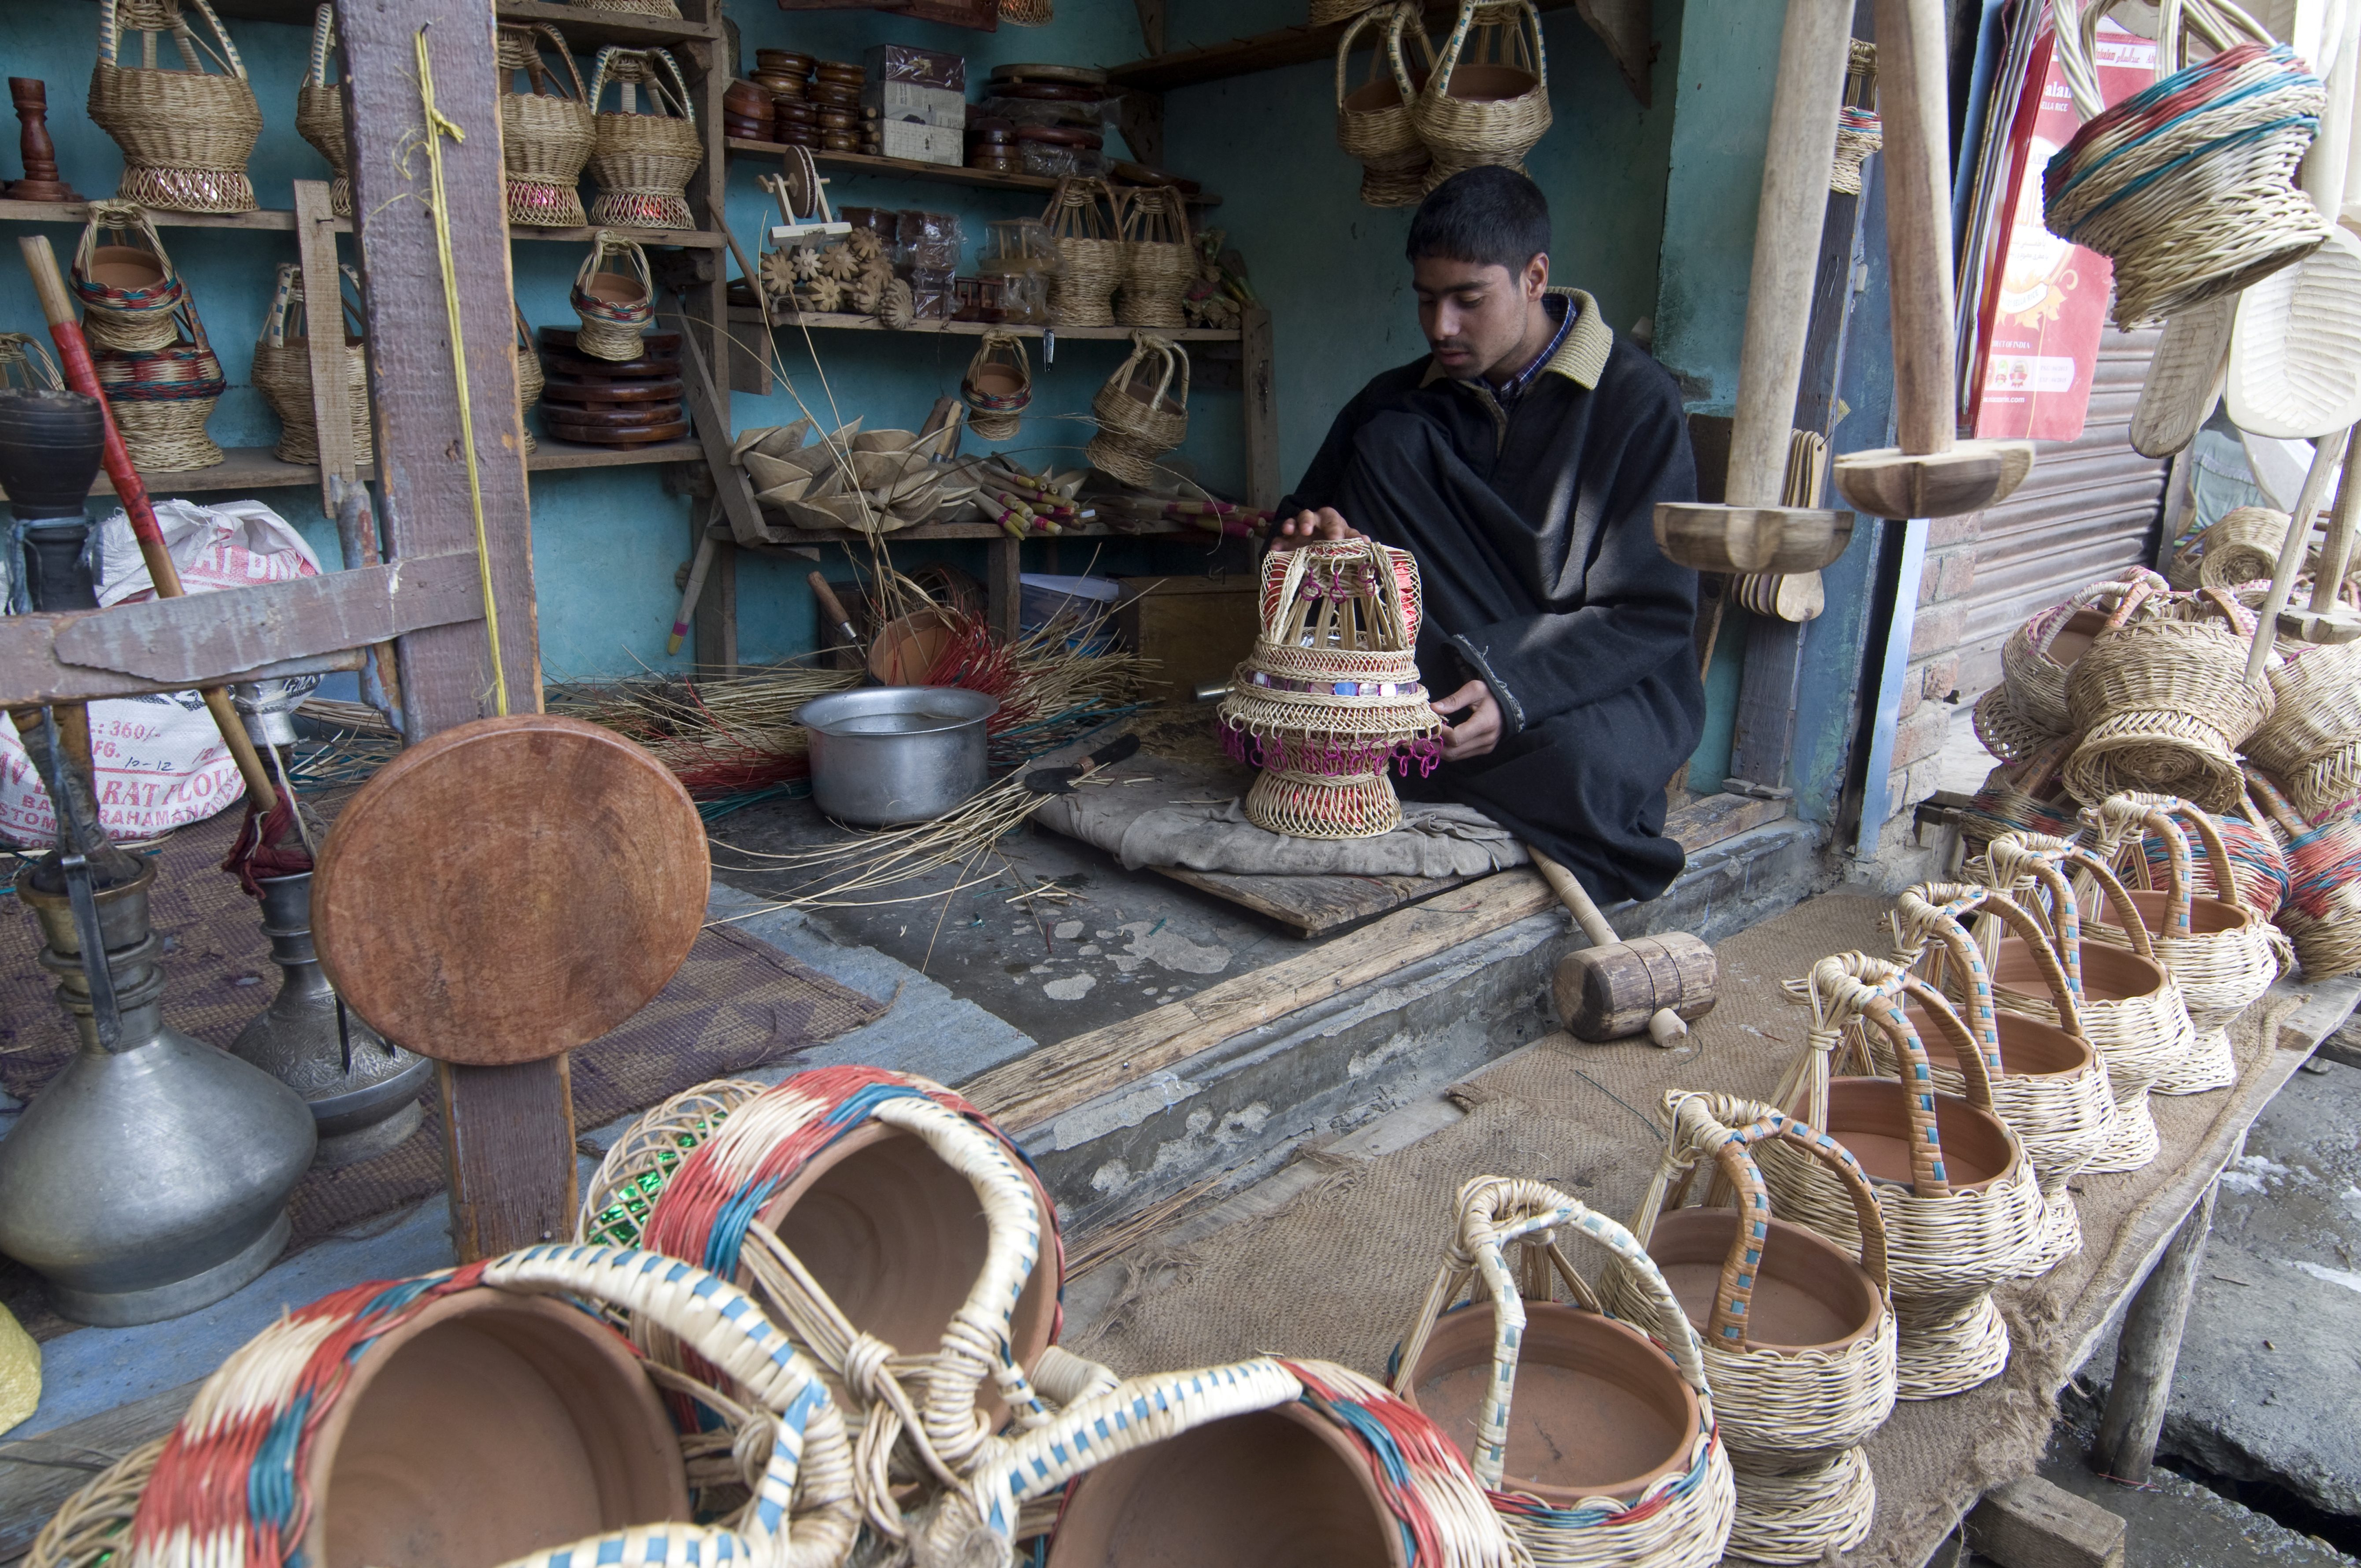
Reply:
x=1933, y=675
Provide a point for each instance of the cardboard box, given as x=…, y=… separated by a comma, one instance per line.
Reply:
x=925, y=144
x=1198, y=629
x=922, y=66
x=916, y=105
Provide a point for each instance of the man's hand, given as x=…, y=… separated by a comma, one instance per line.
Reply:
x=1306, y=526
x=1479, y=732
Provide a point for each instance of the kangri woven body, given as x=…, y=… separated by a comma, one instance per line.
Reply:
x=547, y=137
x=1373, y=120
x=2242, y=545
x=615, y=304
x=2030, y=667
x=2021, y=796
x=185, y=134
x=1159, y=260
x=2003, y=730
x=131, y=294
x=320, y=111
x=2163, y=704
x=163, y=398
x=1793, y=1418
x=1092, y=258
x=2322, y=915
x=282, y=372
x=530, y=381
x=641, y=162
x=1142, y=411
x=2312, y=738
x=1487, y=100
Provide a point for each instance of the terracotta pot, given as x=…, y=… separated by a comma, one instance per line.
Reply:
x=126, y=268
x=906, y=649
x=1871, y=1117
x=896, y=1238
x=1809, y=1294
x=1492, y=83
x=2030, y=1048
x=1277, y=1488
x=1599, y=1411
x=2207, y=916
x=2109, y=975
x=488, y=1427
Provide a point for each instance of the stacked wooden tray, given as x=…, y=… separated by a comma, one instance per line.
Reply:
x=605, y=403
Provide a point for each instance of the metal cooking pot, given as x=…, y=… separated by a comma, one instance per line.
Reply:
x=882, y=755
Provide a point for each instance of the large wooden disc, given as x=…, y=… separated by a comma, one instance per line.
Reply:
x=509, y=889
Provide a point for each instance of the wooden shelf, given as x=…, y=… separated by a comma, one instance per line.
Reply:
x=254, y=468
x=843, y=323
x=284, y=222
x=1264, y=51
x=587, y=28
x=1169, y=529
x=554, y=454
x=940, y=173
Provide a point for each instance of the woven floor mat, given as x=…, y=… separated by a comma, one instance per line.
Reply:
x=1340, y=1271
x=737, y=1003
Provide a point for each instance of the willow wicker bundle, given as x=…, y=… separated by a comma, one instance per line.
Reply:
x=641, y=162
x=2163, y=704
x=239, y=1468
x=531, y=383
x=1683, y=1521
x=130, y=294
x=2021, y=796
x=1373, y=123
x=2034, y=660
x=1947, y=1246
x=1792, y=1417
x=1859, y=131
x=2047, y=1082
x=545, y=136
x=161, y=398
x=2322, y=915
x=2217, y=949
x=617, y=307
x=320, y=111
x=1081, y=222
x=2312, y=739
x=2188, y=185
x=998, y=387
x=282, y=370
x=2135, y=1020
x=1488, y=104
x=2003, y=730
x=1160, y=259
x=1330, y=697
x=185, y=133
x=1141, y=414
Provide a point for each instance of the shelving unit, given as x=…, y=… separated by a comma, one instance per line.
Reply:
x=254, y=468
x=831, y=322
x=276, y=220
x=938, y=174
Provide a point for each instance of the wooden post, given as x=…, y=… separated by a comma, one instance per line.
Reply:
x=508, y=1132
x=2034, y=1523
x=1003, y=561
x=2148, y=1350
x=315, y=246
x=1258, y=383
x=714, y=622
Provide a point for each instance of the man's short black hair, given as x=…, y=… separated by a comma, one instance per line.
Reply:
x=1490, y=215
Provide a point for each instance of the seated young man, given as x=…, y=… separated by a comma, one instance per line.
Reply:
x=1520, y=463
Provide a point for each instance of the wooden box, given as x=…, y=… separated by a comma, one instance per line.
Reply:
x=1198, y=629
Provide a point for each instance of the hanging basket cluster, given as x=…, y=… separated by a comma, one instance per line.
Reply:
x=1142, y=410
x=1483, y=98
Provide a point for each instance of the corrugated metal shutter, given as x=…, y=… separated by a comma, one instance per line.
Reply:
x=2090, y=507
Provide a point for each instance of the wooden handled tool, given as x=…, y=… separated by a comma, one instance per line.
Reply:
x=1613, y=988
x=833, y=613
x=1931, y=474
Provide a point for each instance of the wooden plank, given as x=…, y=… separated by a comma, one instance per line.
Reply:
x=839, y=321
x=508, y=1132
x=1264, y=485
x=315, y=244
x=799, y=540
x=877, y=168
x=24, y=649
x=2148, y=1352
x=1004, y=559
x=39, y=1474
x=2034, y=1523
x=709, y=417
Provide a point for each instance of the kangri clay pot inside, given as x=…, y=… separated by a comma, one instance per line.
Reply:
x=1274, y=1488
x=1600, y=1410
x=1870, y=1116
x=2109, y=975
x=490, y=1427
x=2030, y=1048
x=2207, y=916
x=1809, y=1294
x=896, y=1238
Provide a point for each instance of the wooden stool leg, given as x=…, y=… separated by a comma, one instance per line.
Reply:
x=2148, y=1350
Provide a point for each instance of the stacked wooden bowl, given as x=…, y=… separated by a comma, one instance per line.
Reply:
x=604, y=402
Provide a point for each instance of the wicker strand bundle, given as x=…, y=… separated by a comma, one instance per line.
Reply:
x=998, y=387
x=1488, y=101
x=641, y=162
x=2163, y=704
x=130, y=292
x=2322, y=914
x=1859, y=131
x=1091, y=257
x=617, y=306
x=320, y=111
x=531, y=383
x=1373, y=123
x=1793, y=1418
x=185, y=133
x=161, y=398
x=1160, y=257
x=1141, y=414
x=282, y=369
x=546, y=137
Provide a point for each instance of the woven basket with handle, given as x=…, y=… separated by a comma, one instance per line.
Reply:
x=2034, y=661
x=2322, y=915
x=161, y=398
x=641, y=161
x=2004, y=731
x=1142, y=414
x=531, y=383
x=1373, y=120
x=320, y=111
x=1160, y=259
x=2163, y=703
x=2312, y=738
x=185, y=132
x=1488, y=101
x=130, y=292
x=282, y=368
x=25, y=363
x=2241, y=546
x=545, y=134
x=1091, y=259
x=998, y=386
x=615, y=297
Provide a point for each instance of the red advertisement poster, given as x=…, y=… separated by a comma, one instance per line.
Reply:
x=2044, y=301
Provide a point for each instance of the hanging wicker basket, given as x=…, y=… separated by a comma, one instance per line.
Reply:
x=1160, y=259
x=1797, y=1337
x=1092, y=261
x=1488, y=101
x=1860, y=133
x=185, y=133
x=161, y=398
x=641, y=162
x=2322, y=915
x=617, y=305
x=1373, y=120
x=282, y=369
x=998, y=386
x=2163, y=704
x=1671, y=1509
x=531, y=383
x=1142, y=414
x=320, y=111
x=130, y=292
x=545, y=136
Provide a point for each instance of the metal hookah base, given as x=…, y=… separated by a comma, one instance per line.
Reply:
x=127, y=1309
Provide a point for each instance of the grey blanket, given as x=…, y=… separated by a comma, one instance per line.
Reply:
x=1139, y=826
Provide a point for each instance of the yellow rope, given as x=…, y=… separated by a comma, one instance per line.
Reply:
x=438, y=127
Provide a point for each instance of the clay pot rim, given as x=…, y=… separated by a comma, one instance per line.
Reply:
x=1803, y=1238
x=2207, y=916
x=2004, y=1018
x=2099, y=955
x=1957, y=1103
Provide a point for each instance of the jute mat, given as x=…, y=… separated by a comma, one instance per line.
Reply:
x=737, y=1003
x=1340, y=1271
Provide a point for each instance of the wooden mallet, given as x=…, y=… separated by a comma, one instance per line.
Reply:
x=1614, y=989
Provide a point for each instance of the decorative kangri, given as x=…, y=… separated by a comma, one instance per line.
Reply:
x=186, y=132
x=1331, y=695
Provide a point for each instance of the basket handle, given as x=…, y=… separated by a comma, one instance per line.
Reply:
x=558, y=42
x=2267, y=795
x=2016, y=857
x=631, y=66
x=323, y=40
x=1438, y=83
x=2123, y=822
x=1939, y=910
x=1701, y=1120
x=1391, y=15
x=274, y=321
x=686, y=104
x=228, y=55
x=1878, y=1001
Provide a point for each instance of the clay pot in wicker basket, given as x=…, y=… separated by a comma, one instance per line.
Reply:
x=320, y=111
x=1962, y=1208
x=1092, y=261
x=1159, y=260
x=1597, y=1443
x=530, y=381
x=1142, y=411
x=641, y=161
x=997, y=387
x=2047, y=1082
x=2312, y=738
x=2034, y=660
x=1373, y=123
x=2216, y=949
x=2162, y=702
x=130, y=294
x=615, y=297
x=282, y=369
x=161, y=398
x=186, y=130
x=2129, y=1007
x=1797, y=1336
x=1488, y=101
x=480, y=1415
x=545, y=136
x=2322, y=915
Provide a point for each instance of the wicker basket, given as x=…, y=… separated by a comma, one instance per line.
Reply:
x=997, y=387
x=641, y=162
x=2163, y=705
x=1488, y=101
x=161, y=398
x=26, y=362
x=2217, y=949
x=2031, y=664
x=617, y=307
x=185, y=133
x=131, y=294
x=2242, y=546
x=1794, y=1417
x=2188, y=185
x=1860, y=133
x=545, y=136
x=1160, y=259
x=2322, y=914
x=1141, y=414
x=216, y=1486
x=1373, y=123
x=2003, y=730
x=2312, y=739
x=320, y=111
x=282, y=372
x=1683, y=1518
x=1082, y=223
x=531, y=383
x=2021, y=796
